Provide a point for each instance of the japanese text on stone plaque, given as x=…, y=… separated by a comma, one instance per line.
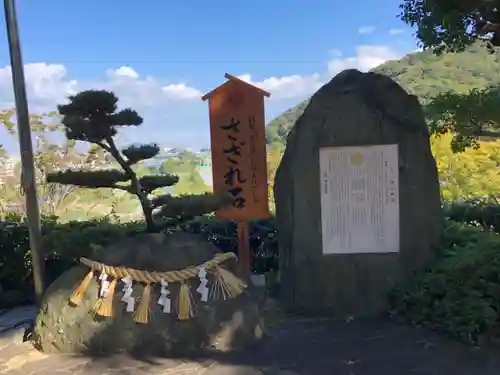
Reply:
x=360, y=199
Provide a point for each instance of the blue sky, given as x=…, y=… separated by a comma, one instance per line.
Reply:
x=161, y=57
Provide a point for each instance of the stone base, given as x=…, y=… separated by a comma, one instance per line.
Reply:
x=222, y=324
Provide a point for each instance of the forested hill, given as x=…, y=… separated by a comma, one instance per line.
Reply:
x=423, y=74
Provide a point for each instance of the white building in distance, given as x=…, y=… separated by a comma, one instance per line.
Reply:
x=7, y=166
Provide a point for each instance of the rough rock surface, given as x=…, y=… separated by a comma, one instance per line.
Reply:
x=223, y=325
x=353, y=109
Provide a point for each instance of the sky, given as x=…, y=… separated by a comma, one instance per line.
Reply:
x=161, y=58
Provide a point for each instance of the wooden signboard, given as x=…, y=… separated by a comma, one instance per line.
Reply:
x=239, y=163
x=238, y=142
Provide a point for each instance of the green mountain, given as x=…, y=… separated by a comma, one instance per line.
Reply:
x=422, y=74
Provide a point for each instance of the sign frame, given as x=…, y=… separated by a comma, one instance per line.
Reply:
x=359, y=189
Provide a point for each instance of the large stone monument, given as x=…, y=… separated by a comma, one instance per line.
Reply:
x=357, y=197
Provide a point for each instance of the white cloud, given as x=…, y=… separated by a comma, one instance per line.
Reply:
x=181, y=92
x=396, y=31
x=49, y=84
x=173, y=108
x=45, y=82
x=335, y=52
x=366, y=58
x=366, y=29
x=126, y=71
x=301, y=86
x=288, y=87
x=248, y=78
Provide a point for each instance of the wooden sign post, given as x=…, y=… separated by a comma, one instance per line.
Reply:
x=239, y=163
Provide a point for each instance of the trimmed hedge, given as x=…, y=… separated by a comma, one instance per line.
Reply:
x=485, y=215
x=459, y=293
x=64, y=244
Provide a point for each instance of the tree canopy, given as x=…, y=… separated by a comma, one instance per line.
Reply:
x=453, y=25
x=50, y=154
x=472, y=174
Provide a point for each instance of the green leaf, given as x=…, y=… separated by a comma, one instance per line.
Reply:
x=92, y=116
x=134, y=154
x=468, y=115
x=450, y=26
x=151, y=183
x=90, y=179
x=192, y=205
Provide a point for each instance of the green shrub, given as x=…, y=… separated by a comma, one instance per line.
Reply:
x=64, y=244
x=223, y=234
x=480, y=214
x=460, y=292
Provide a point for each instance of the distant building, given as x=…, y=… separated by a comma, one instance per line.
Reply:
x=171, y=151
x=204, y=154
x=6, y=168
x=205, y=169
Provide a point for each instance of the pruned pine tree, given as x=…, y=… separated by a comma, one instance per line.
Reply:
x=93, y=116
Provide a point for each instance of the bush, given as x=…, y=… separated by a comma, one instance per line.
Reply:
x=460, y=292
x=480, y=214
x=64, y=244
x=223, y=234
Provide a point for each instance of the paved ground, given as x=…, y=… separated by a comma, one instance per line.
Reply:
x=299, y=347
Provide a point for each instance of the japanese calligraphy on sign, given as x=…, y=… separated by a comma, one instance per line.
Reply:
x=238, y=143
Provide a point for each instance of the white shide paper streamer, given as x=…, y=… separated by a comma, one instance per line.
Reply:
x=104, y=285
x=127, y=294
x=202, y=288
x=164, y=299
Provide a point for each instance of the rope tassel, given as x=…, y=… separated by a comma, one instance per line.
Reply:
x=141, y=315
x=185, y=309
x=226, y=284
x=77, y=297
x=104, y=305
